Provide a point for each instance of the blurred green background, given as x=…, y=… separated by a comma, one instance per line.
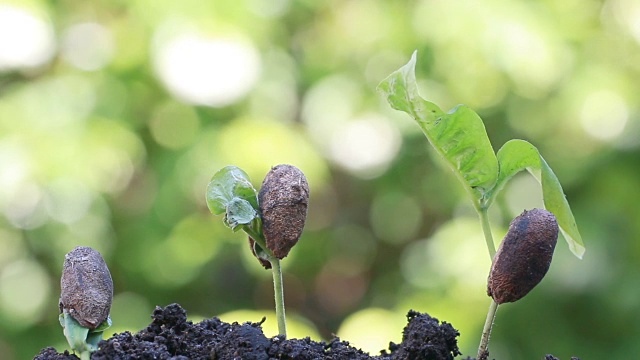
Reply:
x=114, y=115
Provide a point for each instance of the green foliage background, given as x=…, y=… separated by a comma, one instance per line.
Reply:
x=98, y=148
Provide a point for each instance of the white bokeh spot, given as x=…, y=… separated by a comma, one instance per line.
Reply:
x=604, y=115
x=366, y=145
x=205, y=70
x=25, y=40
x=88, y=46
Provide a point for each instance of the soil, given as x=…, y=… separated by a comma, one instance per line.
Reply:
x=171, y=337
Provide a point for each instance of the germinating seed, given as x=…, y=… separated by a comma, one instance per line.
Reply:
x=283, y=200
x=87, y=287
x=524, y=256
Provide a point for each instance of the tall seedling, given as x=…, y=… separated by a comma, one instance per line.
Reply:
x=460, y=138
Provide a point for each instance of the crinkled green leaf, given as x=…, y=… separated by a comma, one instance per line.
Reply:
x=518, y=155
x=459, y=136
x=239, y=212
x=226, y=185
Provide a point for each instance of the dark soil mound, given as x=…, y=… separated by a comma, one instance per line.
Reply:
x=171, y=337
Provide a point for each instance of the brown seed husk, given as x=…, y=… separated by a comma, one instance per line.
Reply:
x=87, y=287
x=524, y=256
x=283, y=199
x=265, y=263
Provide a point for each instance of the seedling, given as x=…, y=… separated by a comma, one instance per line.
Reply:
x=273, y=218
x=460, y=138
x=85, y=299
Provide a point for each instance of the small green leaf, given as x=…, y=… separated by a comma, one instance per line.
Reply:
x=226, y=185
x=75, y=333
x=95, y=336
x=239, y=212
x=459, y=136
x=517, y=155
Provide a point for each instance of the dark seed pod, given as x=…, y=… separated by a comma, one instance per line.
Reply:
x=283, y=200
x=87, y=287
x=524, y=256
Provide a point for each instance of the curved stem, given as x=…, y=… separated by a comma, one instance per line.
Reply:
x=279, y=295
x=483, y=349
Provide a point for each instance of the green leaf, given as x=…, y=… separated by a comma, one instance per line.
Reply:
x=80, y=338
x=239, y=212
x=226, y=185
x=104, y=326
x=518, y=155
x=75, y=333
x=459, y=136
x=95, y=335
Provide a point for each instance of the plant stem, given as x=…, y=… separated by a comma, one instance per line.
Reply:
x=279, y=295
x=486, y=229
x=255, y=231
x=85, y=355
x=483, y=349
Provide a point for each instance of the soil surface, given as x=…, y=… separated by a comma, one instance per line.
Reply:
x=171, y=337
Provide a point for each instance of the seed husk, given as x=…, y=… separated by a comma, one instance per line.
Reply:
x=524, y=256
x=264, y=262
x=86, y=287
x=283, y=201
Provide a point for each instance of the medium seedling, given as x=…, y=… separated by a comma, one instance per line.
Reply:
x=85, y=299
x=460, y=138
x=273, y=218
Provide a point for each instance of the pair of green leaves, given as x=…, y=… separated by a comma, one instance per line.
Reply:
x=459, y=136
x=231, y=193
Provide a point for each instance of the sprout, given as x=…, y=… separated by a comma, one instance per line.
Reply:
x=273, y=219
x=85, y=299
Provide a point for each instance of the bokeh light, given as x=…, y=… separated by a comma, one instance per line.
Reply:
x=388, y=325
x=365, y=146
x=35, y=44
x=24, y=292
x=87, y=46
x=604, y=115
x=214, y=71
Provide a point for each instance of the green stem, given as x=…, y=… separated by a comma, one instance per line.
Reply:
x=486, y=229
x=85, y=355
x=483, y=349
x=255, y=231
x=279, y=295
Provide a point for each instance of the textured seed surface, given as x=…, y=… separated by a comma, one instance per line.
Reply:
x=524, y=256
x=283, y=199
x=87, y=287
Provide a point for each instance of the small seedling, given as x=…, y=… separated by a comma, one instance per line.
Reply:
x=273, y=218
x=85, y=299
x=460, y=138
